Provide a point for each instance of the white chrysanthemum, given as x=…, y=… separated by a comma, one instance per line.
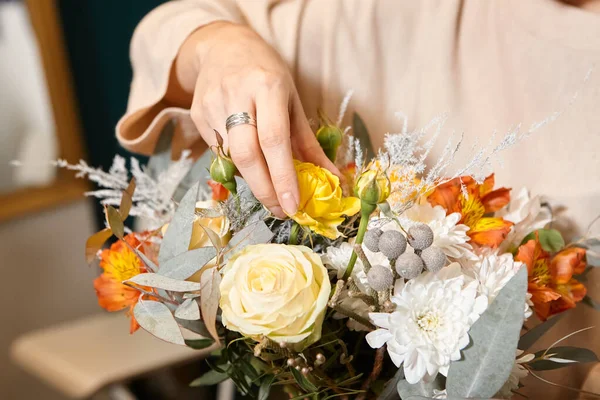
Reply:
x=430, y=325
x=449, y=235
x=527, y=215
x=493, y=271
x=518, y=372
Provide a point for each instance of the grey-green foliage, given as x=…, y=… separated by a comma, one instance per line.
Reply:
x=487, y=362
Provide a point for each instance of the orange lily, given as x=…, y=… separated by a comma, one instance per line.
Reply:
x=480, y=201
x=551, y=281
x=119, y=264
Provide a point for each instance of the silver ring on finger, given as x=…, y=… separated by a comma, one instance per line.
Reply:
x=241, y=118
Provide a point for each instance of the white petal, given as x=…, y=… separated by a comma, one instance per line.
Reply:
x=378, y=338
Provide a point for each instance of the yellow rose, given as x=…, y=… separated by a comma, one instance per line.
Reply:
x=219, y=225
x=277, y=291
x=322, y=205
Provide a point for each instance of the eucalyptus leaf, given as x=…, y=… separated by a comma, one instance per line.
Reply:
x=487, y=363
x=559, y=357
x=592, y=245
x=422, y=388
x=532, y=336
x=127, y=200
x=197, y=173
x=199, y=344
x=163, y=282
x=188, y=310
x=147, y=262
x=212, y=377
x=95, y=243
x=115, y=222
x=214, y=238
x=265, y=387
x=188, y=263
x=550, y=239
x=360, y=131
x=390, y=390
x=156, y=318
x=256, y=233
x=209, y=301
x=177, y=238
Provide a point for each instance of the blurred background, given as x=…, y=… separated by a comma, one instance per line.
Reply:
x=64, y=80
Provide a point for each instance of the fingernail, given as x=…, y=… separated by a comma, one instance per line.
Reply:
x=278, y=212
x=289, y=204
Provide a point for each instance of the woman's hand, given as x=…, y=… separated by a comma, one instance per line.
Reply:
x=223, y=69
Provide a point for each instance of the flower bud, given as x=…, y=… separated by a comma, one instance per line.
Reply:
x=223, y=170
x=372, y=187
x=330, y=138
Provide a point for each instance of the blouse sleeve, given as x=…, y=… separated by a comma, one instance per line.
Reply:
x=154, y=47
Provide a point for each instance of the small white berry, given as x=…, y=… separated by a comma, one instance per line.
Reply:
x=371, y=240
x=392, y=244
x=433, y=258
x=409, y=265
x=380, y=278
x=420, y=236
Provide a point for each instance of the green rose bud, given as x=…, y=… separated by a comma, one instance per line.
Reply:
x=372, y=187
x=330, y=138
x=222, y=170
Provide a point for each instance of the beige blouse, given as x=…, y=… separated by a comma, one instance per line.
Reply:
x=490, y=64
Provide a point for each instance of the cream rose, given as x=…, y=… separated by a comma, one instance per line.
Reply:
x=277, y=291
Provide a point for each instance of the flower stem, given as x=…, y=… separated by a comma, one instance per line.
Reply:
x=294, y=234
x=355, y=316
x=365, y=212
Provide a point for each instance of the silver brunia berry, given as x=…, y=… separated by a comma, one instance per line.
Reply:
x=433, y=258
x=420, y=236
x=392, y=244
x=409, y=265
x=371, y=240
x=380, y=278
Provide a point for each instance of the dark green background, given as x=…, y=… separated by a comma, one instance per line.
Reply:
x=97, y=35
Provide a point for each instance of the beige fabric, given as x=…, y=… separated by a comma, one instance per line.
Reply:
x=489, y=63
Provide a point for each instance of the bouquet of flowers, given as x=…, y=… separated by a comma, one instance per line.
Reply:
x=402, y=279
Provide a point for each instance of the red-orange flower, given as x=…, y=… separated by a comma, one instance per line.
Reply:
x=551, y=283
x=119, y=263
x=474, y=208
x=219, y=192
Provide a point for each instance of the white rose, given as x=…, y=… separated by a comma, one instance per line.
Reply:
x=277, y=291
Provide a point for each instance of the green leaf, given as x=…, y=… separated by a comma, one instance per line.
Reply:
x=256, y=233
x=303, y=382
x=422, y=388
x=550, y=239
x=163, y=282
x=360, y=132
x=115, y=222
x=177, y=238
x=487, y=363
x=186, y=264
x=559, y=357
x=156, y=318
x=199, y=344
x=532, y=336
x=212, y=377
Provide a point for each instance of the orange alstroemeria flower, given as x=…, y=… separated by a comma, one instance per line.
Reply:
x=119, y=264
x=219, y=192
x=481, y=200
x=551, y=283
